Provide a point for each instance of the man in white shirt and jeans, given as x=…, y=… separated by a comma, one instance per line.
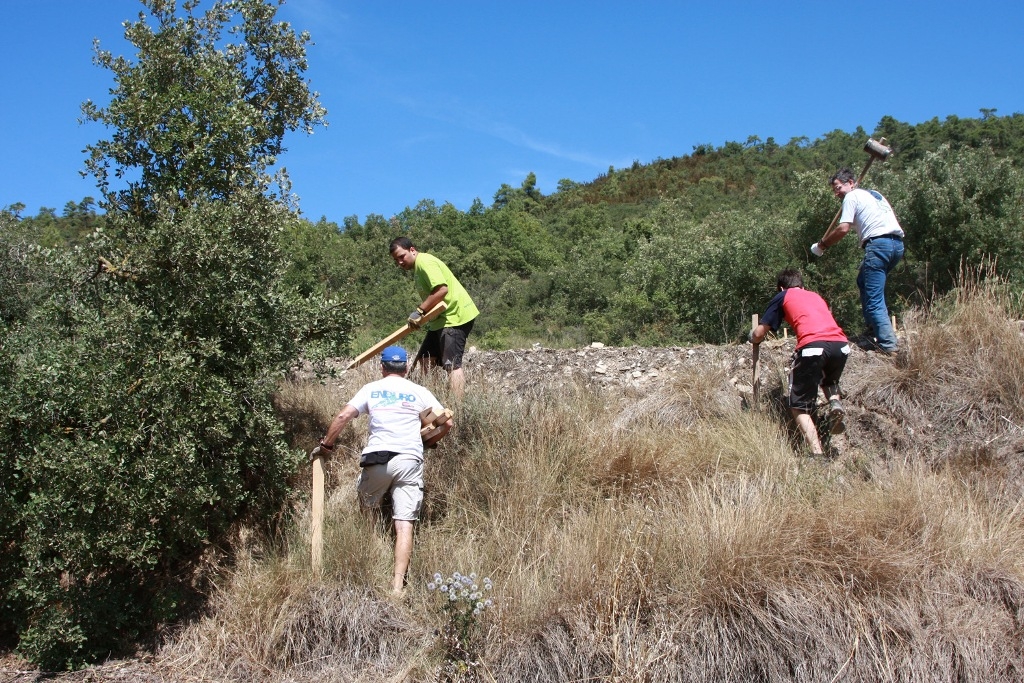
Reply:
x=881, y=238
x=392, y=460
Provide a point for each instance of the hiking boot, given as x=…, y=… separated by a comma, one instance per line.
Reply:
x=836, y=413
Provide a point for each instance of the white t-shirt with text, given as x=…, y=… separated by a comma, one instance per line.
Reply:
x=394, y=405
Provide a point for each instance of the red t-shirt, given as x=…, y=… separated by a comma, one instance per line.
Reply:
x=807, y=313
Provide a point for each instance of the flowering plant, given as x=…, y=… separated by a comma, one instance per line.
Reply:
x=463, y=599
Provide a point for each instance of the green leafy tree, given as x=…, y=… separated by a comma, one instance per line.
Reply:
x=199, y=112
x=959, y=206
x=137, y=415
x=700, y=280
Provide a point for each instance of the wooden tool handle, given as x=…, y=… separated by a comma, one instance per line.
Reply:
x=317, y=516
x=395, y=336
x=755, y=381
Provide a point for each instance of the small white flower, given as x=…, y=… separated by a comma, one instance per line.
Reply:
x=475, y=587
x=488, y=587
x=443, y=588
x=431, y=586
x=472, y=575
x=488, y=603
x=453, y=597
x=437, y=577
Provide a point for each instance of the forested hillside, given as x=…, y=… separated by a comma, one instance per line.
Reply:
x=679, y=250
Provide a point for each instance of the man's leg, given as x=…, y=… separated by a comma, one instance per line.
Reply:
x=880, y=256
x=836, y=355
x=807, y=428
x=457, y=381
x=804, y=378
x=453, y=345
x=407, y=496
x=403, y=554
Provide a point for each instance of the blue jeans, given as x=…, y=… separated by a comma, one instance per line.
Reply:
x=880, y=256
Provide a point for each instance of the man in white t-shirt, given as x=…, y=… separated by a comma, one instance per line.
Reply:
x=869, y=214
x=392, y=460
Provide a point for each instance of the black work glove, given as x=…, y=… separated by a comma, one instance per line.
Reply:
x=321, y=450
x=415, y=318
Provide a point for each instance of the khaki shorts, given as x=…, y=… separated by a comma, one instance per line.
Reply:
x=403, y=476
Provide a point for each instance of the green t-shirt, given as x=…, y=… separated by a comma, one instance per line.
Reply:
x=429, y=272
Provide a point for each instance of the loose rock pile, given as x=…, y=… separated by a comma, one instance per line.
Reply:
x=622, y=369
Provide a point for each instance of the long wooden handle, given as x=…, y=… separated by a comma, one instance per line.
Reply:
x=395, y=336
x=317, y=516
x=755, y=381
x=840, y=211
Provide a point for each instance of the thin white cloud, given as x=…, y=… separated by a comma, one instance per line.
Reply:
x=453, y=112
x=322, y=18
x=331, y=29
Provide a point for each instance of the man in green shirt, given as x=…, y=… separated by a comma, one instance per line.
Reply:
x=445, y=342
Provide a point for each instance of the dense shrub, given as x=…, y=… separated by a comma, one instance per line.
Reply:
x=136, y=412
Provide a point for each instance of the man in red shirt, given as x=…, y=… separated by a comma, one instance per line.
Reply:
x=821, y=352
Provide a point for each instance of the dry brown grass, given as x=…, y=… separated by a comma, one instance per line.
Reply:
x=957, y=389
x=681, y=540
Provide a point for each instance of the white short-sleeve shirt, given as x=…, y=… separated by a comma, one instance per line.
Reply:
x=394, y=405
x=870, y=214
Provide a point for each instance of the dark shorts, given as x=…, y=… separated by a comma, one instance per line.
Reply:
x=447, y=344
x=815, y=364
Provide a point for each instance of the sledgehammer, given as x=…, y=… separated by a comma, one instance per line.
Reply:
x=876, y=149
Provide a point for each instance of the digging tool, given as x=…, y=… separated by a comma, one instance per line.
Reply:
x=876, y=149
x=416, y=360
x=317, y=515
x=395, y=336
x=317, y=502
x=755, y=381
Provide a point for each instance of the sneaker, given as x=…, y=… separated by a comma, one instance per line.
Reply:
x=836, y=413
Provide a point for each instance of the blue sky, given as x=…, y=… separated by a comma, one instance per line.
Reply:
x=448, y=100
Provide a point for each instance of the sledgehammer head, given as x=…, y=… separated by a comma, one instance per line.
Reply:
x=877, y=149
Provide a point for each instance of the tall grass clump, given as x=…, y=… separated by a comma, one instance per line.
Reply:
x=959, y=384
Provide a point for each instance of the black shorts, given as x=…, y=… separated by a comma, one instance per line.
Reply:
x=815, y=364
x=447, y=344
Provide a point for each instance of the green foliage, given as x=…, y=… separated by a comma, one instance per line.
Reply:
x=139, y=367
x=684, y=249
x=198, y=111
x=700, y=280
x=960, y=206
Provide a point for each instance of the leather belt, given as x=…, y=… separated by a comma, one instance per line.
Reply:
x=889, y=236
